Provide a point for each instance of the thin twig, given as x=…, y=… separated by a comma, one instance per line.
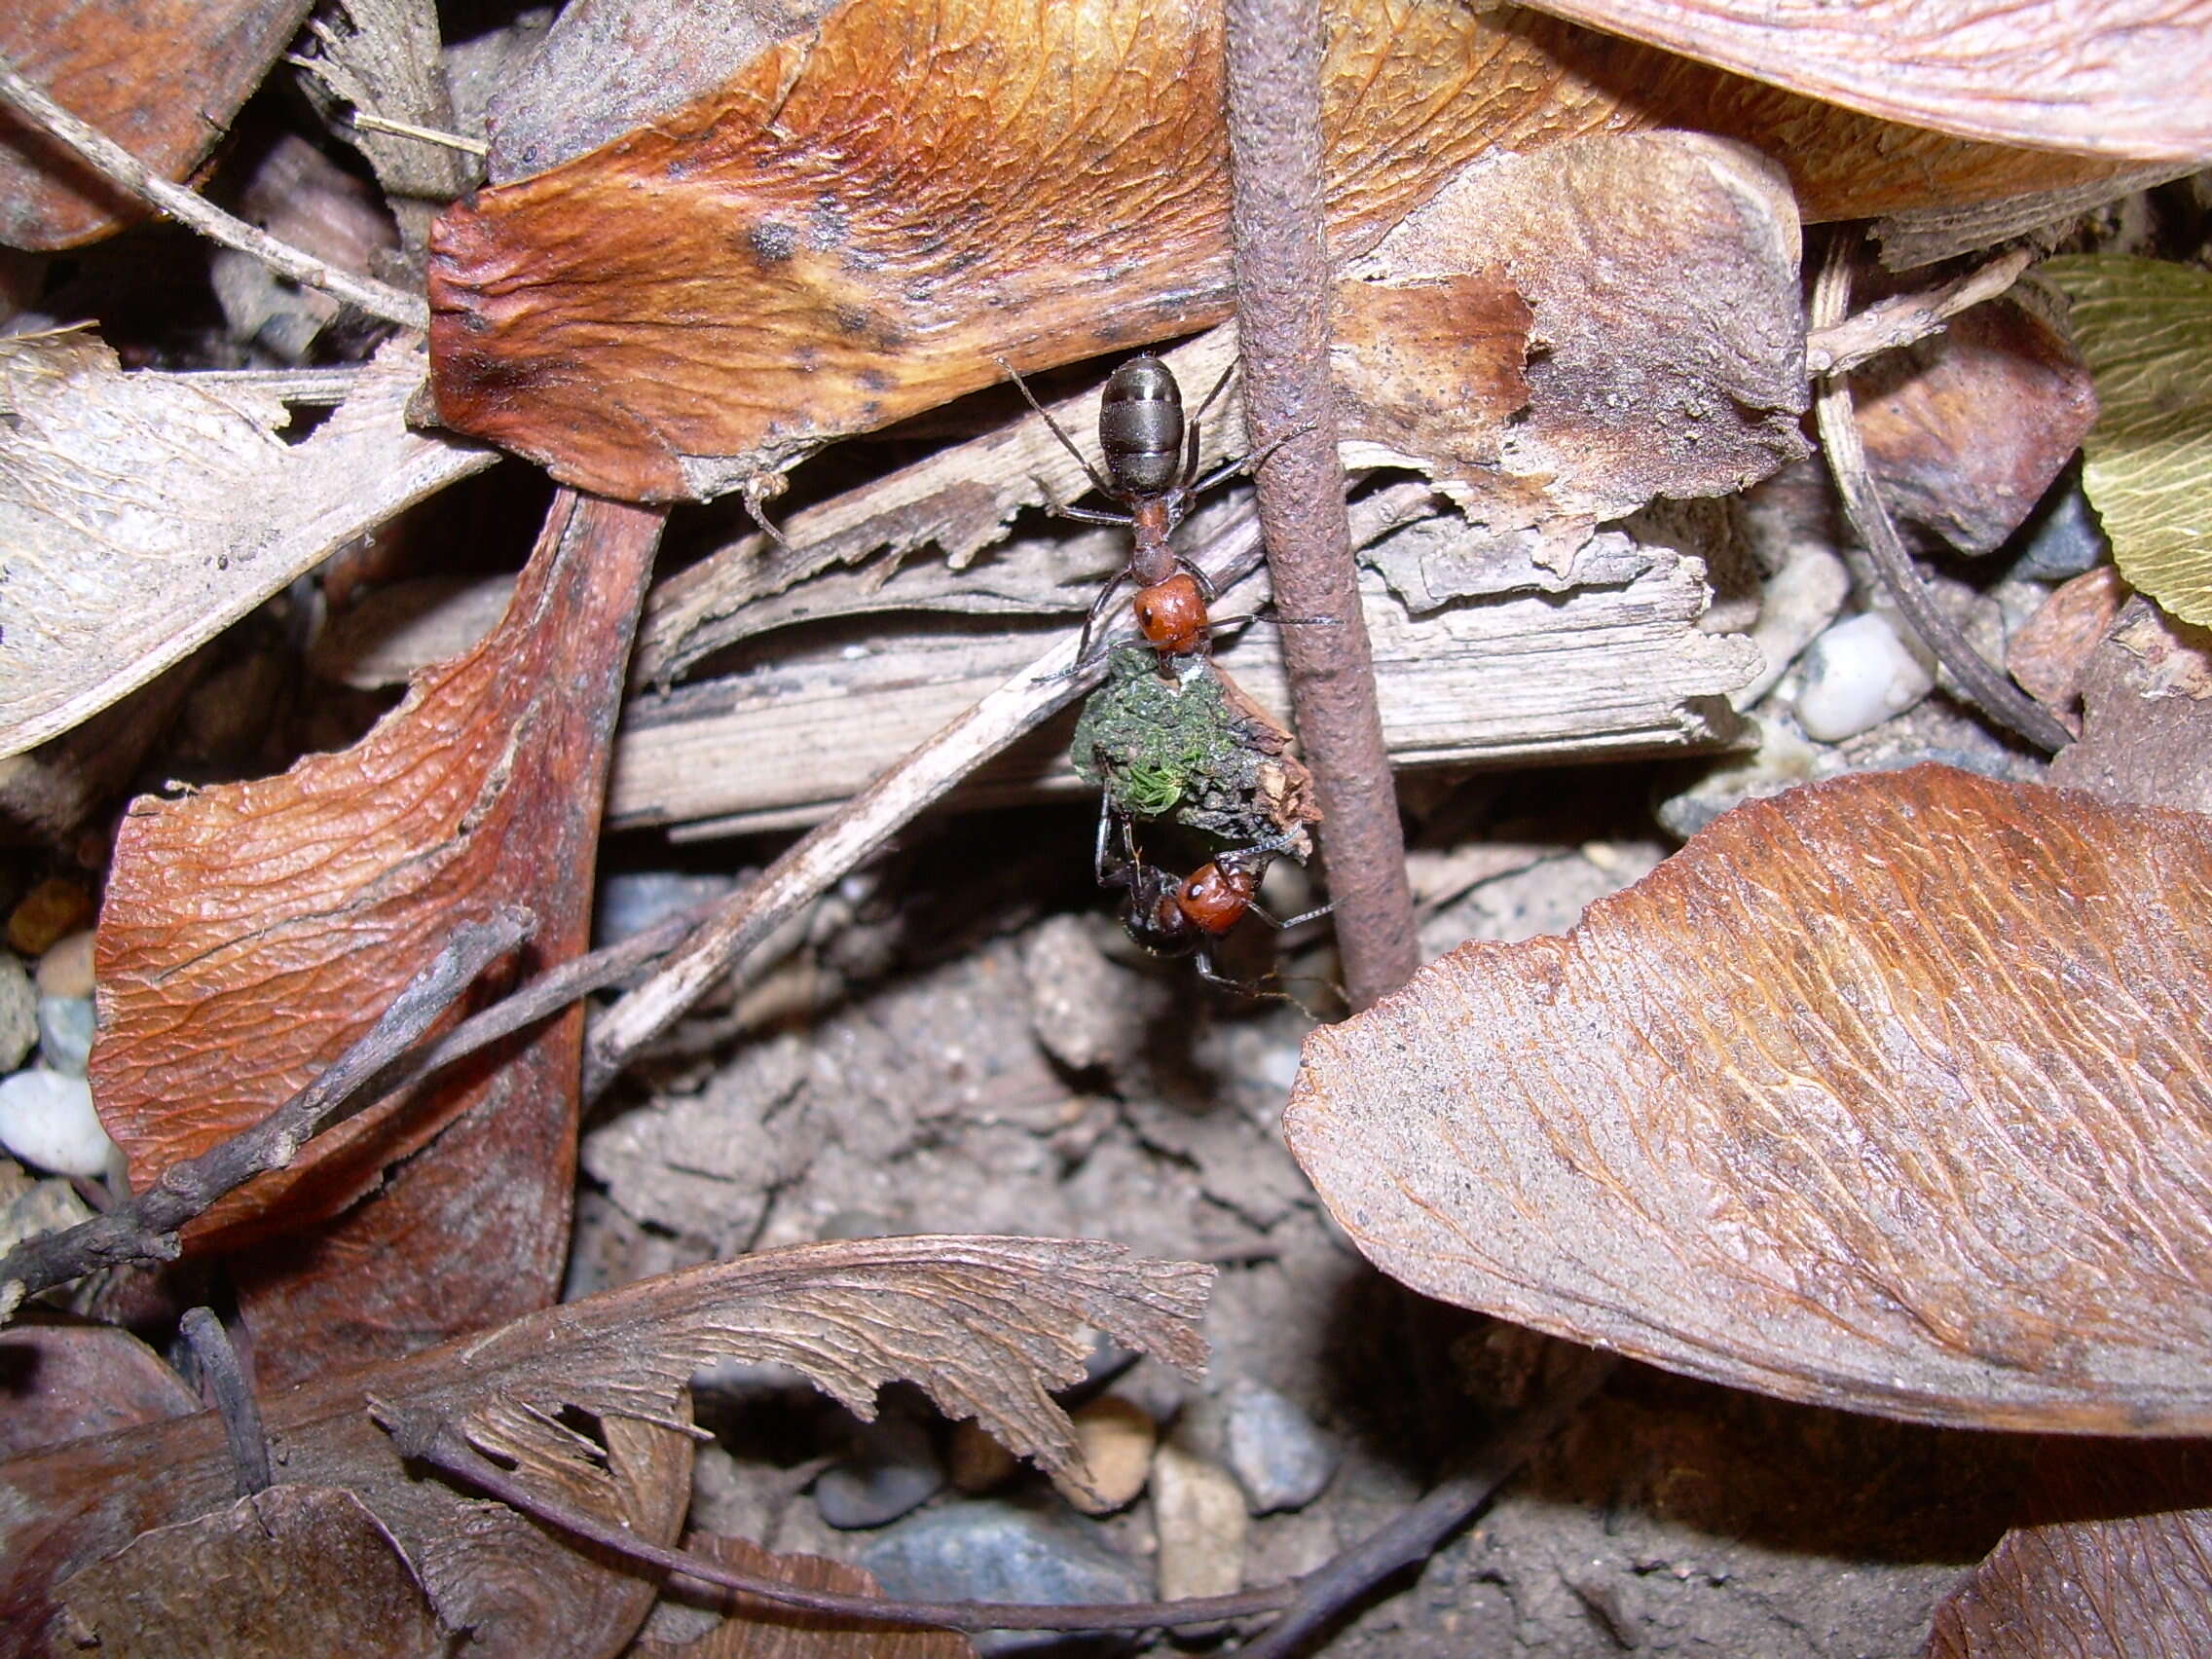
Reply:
x=426, y=1438
x=368, y=122
x=111, y=162
x=1282, y=297
x=145, y=1229
x=1902, y=318
x=231, y=1398
x=1985, y=685
x=1416, y=1534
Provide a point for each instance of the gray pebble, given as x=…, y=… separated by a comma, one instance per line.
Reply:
x=19, y=1013
x=65, y=1033
x=893, y=1469
x=999, y=1552
x=1280, y=1460
x=630, y=902
x=2064, y=542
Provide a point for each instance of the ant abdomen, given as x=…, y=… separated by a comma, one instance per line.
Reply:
x=1141, y=426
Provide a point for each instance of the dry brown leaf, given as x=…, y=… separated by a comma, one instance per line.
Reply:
x=2051, y=653
x=295, y=1570
x=61, y=1382
x=754, y=1629
x=854, y=227
x=2119, y=1568
x=142, y=514
x=987, y=1326
x=161, y=78
x=2147, y=714
x=253, y=931
x=2105, y=77
x=1965, y=430
x=1890, y=1094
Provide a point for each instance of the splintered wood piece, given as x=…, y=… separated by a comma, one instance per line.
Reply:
x=859, y=223
x=161, y=78
x=253, y=931
x=1890, y=1094
x=588, y=1404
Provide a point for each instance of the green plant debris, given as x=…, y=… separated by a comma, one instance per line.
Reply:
x=1173, y=749
x=2146, y=328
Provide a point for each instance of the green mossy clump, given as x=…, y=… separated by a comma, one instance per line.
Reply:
x=1173, y=749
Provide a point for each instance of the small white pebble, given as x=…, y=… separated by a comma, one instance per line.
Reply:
x=1856, y=674
x=66, y=969
x=48, y=1120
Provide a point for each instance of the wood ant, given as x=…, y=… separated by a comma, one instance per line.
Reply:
x=1182, y=916
x=1152, y=468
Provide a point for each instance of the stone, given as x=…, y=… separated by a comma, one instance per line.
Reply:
x=2064, y=541
x=995, y=1550
x=977, y=1461
x=1280, y=1460
x=1856, y=674
x=48, y=913
x=1781, y=760
x=19, y=1013
x=1117, y=1437
x=893, y=1469
x=47, y=1119
x=1801, y=598
x=629, y=902
x=65, y=1033
x=66, y=969
x=1199, y=1511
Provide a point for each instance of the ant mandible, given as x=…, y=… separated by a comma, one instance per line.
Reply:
x=1152, y=468
x=1171, y=916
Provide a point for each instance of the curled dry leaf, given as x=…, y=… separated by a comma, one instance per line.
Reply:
x=1965, y=430
x=2117, y=1567
x=1647, y=340
x=2146, y=328
x=253, y=931
x=2109, y=77
x=161, y=78
x=144, y=513
x=854, y=227
x=291, y=1570
x=1889, y=1093
x=754, y=1629
x=986, y=1326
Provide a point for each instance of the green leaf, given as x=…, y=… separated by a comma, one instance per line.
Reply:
x=2146, y=328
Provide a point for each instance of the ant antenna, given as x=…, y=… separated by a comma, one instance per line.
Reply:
x=1067, y=443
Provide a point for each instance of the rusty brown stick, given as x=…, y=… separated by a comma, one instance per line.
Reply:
x=1282, y=289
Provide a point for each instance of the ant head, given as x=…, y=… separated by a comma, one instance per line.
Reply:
x=1153, y=912
x=1141, y=426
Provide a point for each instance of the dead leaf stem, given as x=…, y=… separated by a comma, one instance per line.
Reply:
x=426, y=1438
x=146, y=1228
x=111, y=162
x=1283, y=285
x=1902, y=318
x=1985, y=685
x=233, y=1395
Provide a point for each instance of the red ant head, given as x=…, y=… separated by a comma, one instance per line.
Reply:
x=1172, y=614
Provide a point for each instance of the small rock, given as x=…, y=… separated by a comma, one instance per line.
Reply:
x=995, y=1552
x=47, y=1119
x=1782, y=760
x=65, y=1033
x=1801, y=598
x=1116, y=1438
x=66, y=969
x=979, y=1463
x=630, y=902
x=1199, y=1513
x=1278, y=1457
x=893, y=1469
x=1085, y=1011
x=19, y=1013
x=2065, y=541
x=1857, y=675
x=49, y=912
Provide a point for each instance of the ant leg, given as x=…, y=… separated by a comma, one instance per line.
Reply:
x=1289, y=922
x=1107, y=877
x=1090, y=620
x=1067, y=443
x=1252, y=462
x=1257, y=988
